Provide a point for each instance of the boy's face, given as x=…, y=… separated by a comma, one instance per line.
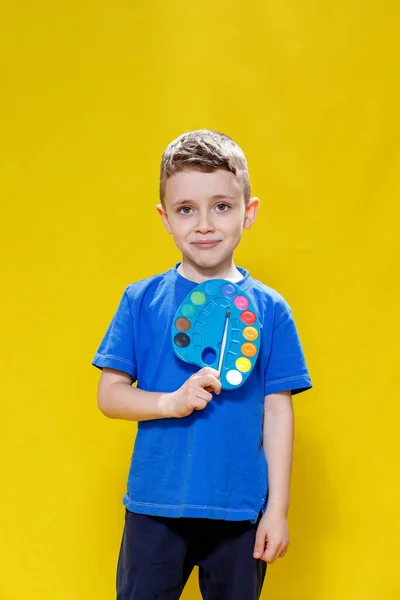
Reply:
x=206, y=214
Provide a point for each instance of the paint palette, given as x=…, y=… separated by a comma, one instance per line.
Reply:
x=216, y=311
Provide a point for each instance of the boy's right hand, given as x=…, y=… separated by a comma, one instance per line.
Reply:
x=194, y=394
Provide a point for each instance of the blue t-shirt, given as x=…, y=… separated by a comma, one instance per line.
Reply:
x=210, y=464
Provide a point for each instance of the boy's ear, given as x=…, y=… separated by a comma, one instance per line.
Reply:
x=163, y=214
x=251, y=212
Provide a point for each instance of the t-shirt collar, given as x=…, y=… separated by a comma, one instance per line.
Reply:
x=187, y=284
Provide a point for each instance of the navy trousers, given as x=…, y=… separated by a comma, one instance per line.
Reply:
x=158, y=554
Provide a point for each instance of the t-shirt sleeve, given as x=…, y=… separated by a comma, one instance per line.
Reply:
x=286, y=369
x=116, y=351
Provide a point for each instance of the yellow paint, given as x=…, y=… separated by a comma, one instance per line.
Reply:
x=91, y=94
x=250, y=333
x=243, y=364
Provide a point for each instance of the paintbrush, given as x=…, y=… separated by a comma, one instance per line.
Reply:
x=223, y=344
x=221, y=356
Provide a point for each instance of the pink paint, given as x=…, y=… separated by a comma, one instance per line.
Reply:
x=241, y=302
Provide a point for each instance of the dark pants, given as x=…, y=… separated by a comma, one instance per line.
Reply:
x=158, y=554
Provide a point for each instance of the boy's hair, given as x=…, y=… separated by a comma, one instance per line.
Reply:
x=204, y=150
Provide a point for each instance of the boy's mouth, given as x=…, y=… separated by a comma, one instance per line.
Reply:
x=205, y=244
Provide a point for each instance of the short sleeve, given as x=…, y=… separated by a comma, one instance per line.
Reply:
x=116, y=351
x=286, y=369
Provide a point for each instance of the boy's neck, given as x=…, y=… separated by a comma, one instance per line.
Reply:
x=199, y=274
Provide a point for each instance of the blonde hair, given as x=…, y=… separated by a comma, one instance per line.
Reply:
x=204, y=150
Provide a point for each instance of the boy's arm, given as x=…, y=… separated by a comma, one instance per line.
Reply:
x=117, y=398
x=278, y=448
x=272, y=535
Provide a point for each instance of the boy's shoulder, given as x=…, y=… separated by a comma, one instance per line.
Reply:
x=265, y=290
x=271, y=299
x=137, y=288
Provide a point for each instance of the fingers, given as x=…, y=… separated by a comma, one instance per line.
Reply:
x=199, y=404
x=259, y=545
x=274, y=551
x=272, y=539
x=266, y=549
x=271, y=552
x=199, y=387
x=202, y=399
x=202, y=394
x=206, y=370
x=210, y=381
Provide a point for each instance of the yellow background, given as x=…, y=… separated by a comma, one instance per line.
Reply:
x=91, y=93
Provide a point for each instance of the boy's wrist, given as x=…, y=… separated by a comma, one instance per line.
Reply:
x=278, y=508
x=165, y=406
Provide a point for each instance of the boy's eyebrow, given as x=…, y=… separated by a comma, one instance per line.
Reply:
x=215, y=197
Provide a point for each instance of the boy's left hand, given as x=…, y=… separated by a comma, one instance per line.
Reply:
x=272, y=537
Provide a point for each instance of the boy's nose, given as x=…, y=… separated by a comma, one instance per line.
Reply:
x=205, y=224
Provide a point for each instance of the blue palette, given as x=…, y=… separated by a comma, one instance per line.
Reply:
x=199, y=324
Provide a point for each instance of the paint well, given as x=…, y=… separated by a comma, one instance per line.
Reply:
x=243, y=364
x=249, y=349
x=188, y=310
x=234, y=377
x=182, y=340
x=228, y=290
x=211, y=288
x=241, y=302
x=182, y=324
x=250, y=333
x=248, y=317
x=198, y=298
x=208, y=356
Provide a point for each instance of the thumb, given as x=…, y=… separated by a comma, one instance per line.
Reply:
x=259, y=545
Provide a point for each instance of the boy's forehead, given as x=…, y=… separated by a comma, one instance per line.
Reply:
x=192, y=184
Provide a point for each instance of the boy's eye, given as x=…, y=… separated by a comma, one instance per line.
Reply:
x=184, y=210
x=222, y=207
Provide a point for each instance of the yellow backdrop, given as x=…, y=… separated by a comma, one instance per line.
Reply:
x=91, y=94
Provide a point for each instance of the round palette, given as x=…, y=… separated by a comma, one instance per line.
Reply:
x=216, y=326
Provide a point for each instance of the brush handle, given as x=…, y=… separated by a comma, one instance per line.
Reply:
x=221, y=356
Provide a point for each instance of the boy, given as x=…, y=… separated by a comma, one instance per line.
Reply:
x=197, y=487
